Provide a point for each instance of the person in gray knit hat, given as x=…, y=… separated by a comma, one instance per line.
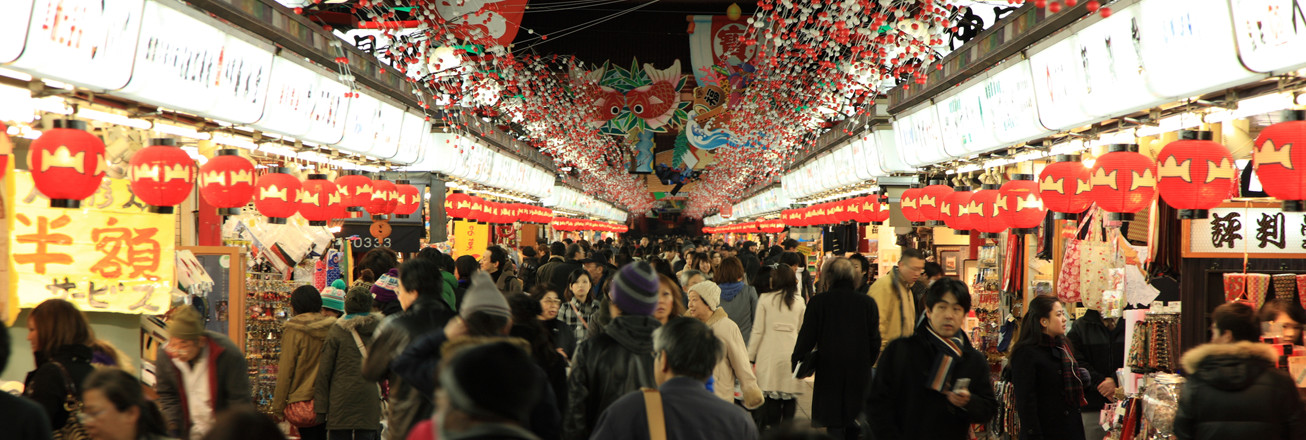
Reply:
x=618, y=360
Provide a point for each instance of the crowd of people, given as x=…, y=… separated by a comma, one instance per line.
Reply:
x=675, y=338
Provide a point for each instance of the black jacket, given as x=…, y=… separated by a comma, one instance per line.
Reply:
x=1099, y=350
x=529, y=268
x=1234, y=392
x=689, y=411
x=23, y=419
x=751, y=265
x=605, y=367
x=556, y=272
x=1040, y=394
x=46, y=385
x=900, y=398
x=407, y=405
x=844, y=327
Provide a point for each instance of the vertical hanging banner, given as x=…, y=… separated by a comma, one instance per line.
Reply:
x=716, y=40
x=13, y=29
x=112, y=256
x=470, y=238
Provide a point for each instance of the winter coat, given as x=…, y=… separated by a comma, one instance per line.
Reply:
x=1099, y=350
x=582, y=324
x=843, y=327
x=301, y=348
x=1234, y=392
x=740, y=303
x=529, y=269
x=46, y=384
x=23, y=419
x=605, y=367
x=901, y=397
x=506, y=280
x=751, y=263
x=689, y=412
x=897, y=307
x=228, y=383
x=734, y=364
x=406, y=404
x=556, y=273
x=561, y=335
x=1040, y=394
x=450, y=291
x=775, y=332
x=348, y=400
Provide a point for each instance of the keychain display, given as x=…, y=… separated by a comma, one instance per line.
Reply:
x=267, y=309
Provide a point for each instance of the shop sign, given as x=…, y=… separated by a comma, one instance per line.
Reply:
x=887, y=150
x=1271, y=34
x=961, y=122
x=387, y=126
x=360, y=131
x=470, y=239
x=13, y=29
x=1186, y=47
x=1059, y=85
x=111, y=256
x=863, y=151
x=829, y=171
x=84, y=42
x=402, y=238
x=918, y=137
x=843, y=159
x=304, y=104
x=381, y=44
x=1008, y=100
x=327, y=114
x=414, y=137
x=1261, y=230
x=1111, y=53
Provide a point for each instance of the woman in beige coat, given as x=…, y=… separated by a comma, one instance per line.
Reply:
x=705, y=305
x=775, y=331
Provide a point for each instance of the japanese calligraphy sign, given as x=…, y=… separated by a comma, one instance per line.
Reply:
x=112, y=256
x=1262, y=230
x=470, y=239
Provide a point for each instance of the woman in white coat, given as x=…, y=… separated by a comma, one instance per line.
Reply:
x=775, y=331
x=705, y=305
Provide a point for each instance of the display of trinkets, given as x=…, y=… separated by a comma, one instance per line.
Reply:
x=1155, y=341
x=266, y=311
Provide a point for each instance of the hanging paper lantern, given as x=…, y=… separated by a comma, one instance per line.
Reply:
x=162, y=175
x=931, y=202
x=852, y=209
x=227, y=181
x=1279, y=155
x=882, y=210
x=456, y=205
x=956, y=210
x=409, y=199
x=384, y=198
x=1124, y=181
x=983, y=212
x=837, y=212
x=67, y=163
x=1064, y=186
x=1195, y=174
x=355, y=190
x=1020, y=206
x=477, y=210
x=277, y=196
x=319, y=200
x=909, y=202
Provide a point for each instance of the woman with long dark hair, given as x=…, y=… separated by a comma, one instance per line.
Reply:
x=775, y=332
x=1048, y=384
x=579, y=307
x=116, y=409
x=61, y=341
x=670, y=303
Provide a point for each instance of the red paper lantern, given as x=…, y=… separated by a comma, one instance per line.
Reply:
x=277, y=196
x=852, y=209
x=909, y=203
x=67, y=163
x=956, y=210
x=1020, y=206
x=839, y=211
x=355, y=190
x=477, y=210
x=825, y=214
x=983, y=212
x=409, y=199
x=162, y=175
x=1195, y=174
x=1064, y=186
x=227, y=181
x=931, y=202
x=456, y=205
x=384, y=198
x=1124, y=181
x=319, y=200
x=1280, y=159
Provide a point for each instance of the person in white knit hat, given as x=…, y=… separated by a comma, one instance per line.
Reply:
x=705, y=305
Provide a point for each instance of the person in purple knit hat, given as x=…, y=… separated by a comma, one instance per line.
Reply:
x=383, y=292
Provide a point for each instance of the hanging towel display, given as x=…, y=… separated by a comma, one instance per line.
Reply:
x=1285, y=284
x=1258, y=285
x=1235, y=286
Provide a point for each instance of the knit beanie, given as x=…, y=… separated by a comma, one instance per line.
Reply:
x=710, y=292
x=635, y=289
x=359, y=300
x=483, y=296
x=185, y=324
x=386, y=285
x=334, y=298
x=306, y=299
x=494, y=380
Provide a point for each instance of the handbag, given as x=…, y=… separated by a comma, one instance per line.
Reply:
x=301, y=414
x=806, y=367
x=72, y=429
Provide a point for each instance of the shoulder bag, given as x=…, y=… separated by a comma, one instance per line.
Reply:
x=72, y=428
x=657, y=424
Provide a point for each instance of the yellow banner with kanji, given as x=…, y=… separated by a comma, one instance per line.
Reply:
x=470, y=239
x=8, y=281
x=110, y=255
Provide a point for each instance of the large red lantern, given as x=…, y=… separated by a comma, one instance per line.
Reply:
x=409, y=199
x=983, y=212
x=478, y=211
x=882, y=210
x=162, y=175
x=837, y=212
x=384, y=198
x=355, y=190
x=909, y=202
x=227, y=181
x=1020, y=206
x=1064, y=186
x=931, y=202
x=955, y=208
x=277, y=196
x=1195, y=174
x=852, y=209
x=1124, y=181
x=457, y=205
x=67, y=163
x=319, y=200
x=1279, y=155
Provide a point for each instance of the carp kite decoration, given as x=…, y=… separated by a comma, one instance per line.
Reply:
x=636, y=100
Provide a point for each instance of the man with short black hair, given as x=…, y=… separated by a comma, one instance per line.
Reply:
x=932, y=375
x=685, y=353
x=555, y=273
x=789, y=245
x=486, y=392
x=894, y=296
x=748, y=257
x=494, y=261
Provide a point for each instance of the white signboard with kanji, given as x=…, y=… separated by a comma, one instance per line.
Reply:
x=1259, y=228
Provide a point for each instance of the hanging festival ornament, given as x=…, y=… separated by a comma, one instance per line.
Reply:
x=162, y=175
x=909, y=203
x=1124, y=182
x=457, y=205
x=477, y=211
x=355, y=190
x=1064, y=186
x=384, y=198
x=319, y=200
x=931, y=201
x=852, y=209
x=956, y=210
x=983, y=212
x=1279, y=154
x=67, y=163
x=277, y=196
x=1019, y=205
x=1195, y=174
x=882, y=211
x=837, y=212
x=227, y=181
x=408, y=199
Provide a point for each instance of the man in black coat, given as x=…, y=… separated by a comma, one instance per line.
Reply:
x=920, y=377
x=1100, y=348
x=748, y=256
x=846, y=327
x=556, y=272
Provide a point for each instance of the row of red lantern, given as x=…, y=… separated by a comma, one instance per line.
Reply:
x=279, y=195
x=1015, y=205
x=462, y=206
x=580, y=224
x=763, y=226
x=868, y=209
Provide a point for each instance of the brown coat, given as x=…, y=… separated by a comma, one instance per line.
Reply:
x=301, y=352
x=734, y=363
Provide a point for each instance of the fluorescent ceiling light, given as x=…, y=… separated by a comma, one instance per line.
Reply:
x=114, y=118
x=182, y=131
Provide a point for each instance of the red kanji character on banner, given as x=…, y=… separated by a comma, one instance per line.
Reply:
x=142, y=251
x=43, y=238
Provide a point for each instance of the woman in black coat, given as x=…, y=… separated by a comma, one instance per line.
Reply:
x=1048, y=383
x=60, y=338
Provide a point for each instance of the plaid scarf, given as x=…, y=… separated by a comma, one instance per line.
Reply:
x=1069, y=370
x=947, y=355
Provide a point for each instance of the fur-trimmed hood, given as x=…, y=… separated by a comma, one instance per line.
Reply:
x=315, y=324
x=1229, y=367
x=363, y=324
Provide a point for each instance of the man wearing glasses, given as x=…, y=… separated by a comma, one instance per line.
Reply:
x=894, y=297
x=200, y=373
